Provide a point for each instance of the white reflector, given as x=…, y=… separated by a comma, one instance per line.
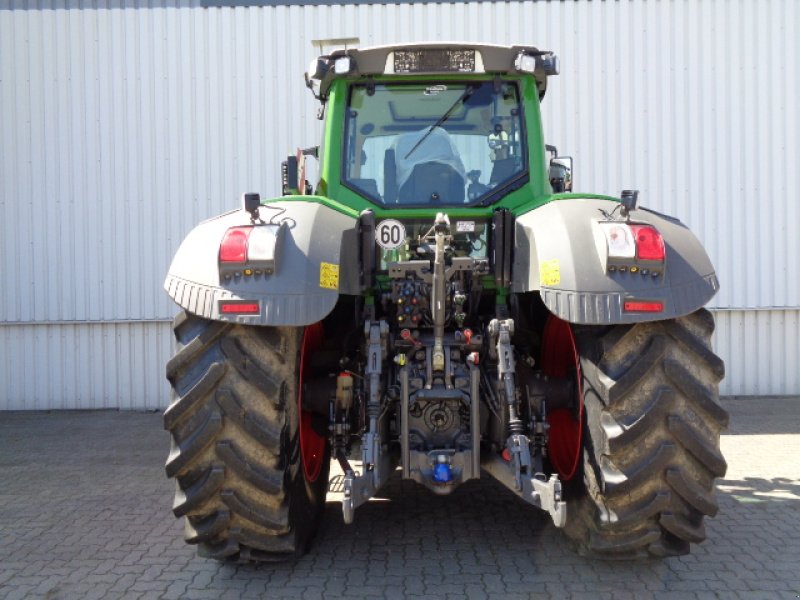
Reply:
x=619, y=240
x=262, y=244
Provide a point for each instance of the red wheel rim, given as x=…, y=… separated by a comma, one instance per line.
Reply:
x=560, y=359
x=312, y=445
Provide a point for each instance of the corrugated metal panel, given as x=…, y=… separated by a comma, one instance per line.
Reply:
x=121, y=365
x=761, y=350
x=97, y=365
x=124, y=124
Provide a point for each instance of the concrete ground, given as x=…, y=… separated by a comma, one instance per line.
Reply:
x=85, y=513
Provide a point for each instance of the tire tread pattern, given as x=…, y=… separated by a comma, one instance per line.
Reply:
x=229, y=424
x=651, y=445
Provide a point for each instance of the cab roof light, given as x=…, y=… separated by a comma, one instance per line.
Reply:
x=233, y=248
x=525, y=63
x=649, y=243
x=317, y=69
x=551, y=64
x=342, y=65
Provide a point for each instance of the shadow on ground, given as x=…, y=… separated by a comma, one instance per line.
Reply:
x=768, y=415
x=757, y=490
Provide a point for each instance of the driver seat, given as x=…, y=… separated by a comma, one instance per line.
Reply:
x=431, y=183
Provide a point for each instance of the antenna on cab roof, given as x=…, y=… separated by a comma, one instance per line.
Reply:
x=335, y=42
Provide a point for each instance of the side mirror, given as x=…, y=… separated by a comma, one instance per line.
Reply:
x=293, y=172
x=561, y=174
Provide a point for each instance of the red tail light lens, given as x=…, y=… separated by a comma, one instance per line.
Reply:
x=239, y=307
x=233, y=248
x=643, y=306
x=649, y=243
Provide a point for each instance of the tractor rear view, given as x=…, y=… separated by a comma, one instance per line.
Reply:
x=441, y=304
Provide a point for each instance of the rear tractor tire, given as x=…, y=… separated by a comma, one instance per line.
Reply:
x=249, y=489
x=650, y=443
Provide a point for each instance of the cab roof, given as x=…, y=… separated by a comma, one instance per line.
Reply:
x=431, y=58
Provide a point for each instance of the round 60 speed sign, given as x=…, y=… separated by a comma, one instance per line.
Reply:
x=390, y=234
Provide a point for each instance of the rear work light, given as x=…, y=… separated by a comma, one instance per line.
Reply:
x=233, y=248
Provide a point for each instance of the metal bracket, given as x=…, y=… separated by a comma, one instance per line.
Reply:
x=359, y=488
x=537, y=490
x=519, y=448
x=355, y=491
x=547, y=496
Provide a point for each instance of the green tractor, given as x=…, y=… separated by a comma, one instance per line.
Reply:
x=441, y=305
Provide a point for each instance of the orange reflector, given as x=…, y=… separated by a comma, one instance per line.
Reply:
x=641, y=306
x=239, y=308
x=506, y=455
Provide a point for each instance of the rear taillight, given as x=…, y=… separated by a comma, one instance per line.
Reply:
x=631, y=240
x=649, y=243
x=233, y=248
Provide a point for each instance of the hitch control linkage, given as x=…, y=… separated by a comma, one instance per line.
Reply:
x=535, y=488
x=358, y=488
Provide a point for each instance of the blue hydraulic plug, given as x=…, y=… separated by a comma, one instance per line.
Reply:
x=442, y=473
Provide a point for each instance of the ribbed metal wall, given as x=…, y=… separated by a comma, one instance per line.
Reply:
x=121, y=365
x=84, y=365
x=125, y=123
x=761, y=349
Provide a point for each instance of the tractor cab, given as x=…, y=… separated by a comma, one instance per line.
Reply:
x=431, y=126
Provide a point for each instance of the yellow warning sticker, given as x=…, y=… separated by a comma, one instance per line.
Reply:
x=329, y=276
x=549, y=272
